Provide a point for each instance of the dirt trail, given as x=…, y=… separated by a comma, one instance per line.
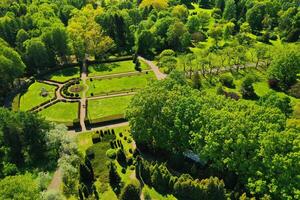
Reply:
x=56, y=181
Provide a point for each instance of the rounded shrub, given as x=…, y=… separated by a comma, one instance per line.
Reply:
x=227, y=80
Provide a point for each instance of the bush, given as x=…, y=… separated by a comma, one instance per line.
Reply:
x=121, y=158
x=295, y=90
x=272, y=99
x=131, y=191
x=111, y=153
x=227, y=80
x=247, y=89
x=114, y=178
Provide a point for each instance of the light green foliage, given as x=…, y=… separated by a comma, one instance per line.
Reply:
x=285, y=66
x=21, y=187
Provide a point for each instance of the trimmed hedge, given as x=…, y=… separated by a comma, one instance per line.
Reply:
x=106, y=119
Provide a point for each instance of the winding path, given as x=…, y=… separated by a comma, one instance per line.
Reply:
x=159, y=75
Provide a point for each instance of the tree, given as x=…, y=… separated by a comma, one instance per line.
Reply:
x=157, y=4
x=21, y=37
x=178, y=36
x=229, y=10
x=285, y=66
x=181, y=12
x=131, y=191
x=19, y=187
x=86, y=35
x=272, y=99
x=11, y=67
x=247, y=89
x=255, y=16
x=36, y=55
x=145, y=43
x=114, y=178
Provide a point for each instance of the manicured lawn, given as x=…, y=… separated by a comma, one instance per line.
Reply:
x=61, y=112
x=104, y=86
x=64, y=74
x=106, y=107
x=32, y=96
x=113, y=68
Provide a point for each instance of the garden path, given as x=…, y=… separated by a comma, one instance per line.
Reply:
x=159, y=75
x=83, y=98
x=56, y=181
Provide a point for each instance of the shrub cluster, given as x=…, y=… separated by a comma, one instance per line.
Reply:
x=227, y=80
x=105, y=135
x=183, y=187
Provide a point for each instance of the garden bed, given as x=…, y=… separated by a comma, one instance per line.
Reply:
x=113, y=68
x=61, y=112
x=106, y=86
x=33, y=97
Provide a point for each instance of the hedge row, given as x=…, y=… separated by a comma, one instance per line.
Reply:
x=64, y=91
x=105, y=119
x=183, y=187
x=122, y=58
x=115, y=92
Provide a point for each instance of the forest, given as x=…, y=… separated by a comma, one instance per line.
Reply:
x=149, y=99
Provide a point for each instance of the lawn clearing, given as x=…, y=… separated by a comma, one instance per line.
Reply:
x=107, y=107
x=113, y=68
x=64, y=74
x=32, y=97
x=61, y=113
x=122, y=84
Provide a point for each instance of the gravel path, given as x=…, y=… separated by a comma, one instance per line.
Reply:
x=159, y=75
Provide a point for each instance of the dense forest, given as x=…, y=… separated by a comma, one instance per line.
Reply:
x=231, y=98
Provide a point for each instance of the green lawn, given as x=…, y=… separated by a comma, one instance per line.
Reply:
x=64, y=74
x=61, y=112
x=113, y=68
x=107, y=107
x=32, y=97
x=104, y=86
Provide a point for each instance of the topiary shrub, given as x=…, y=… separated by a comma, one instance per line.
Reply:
x=227, y=80
x=123, y=170
x=121, y=158
x=111, y=153
x=114, y=178
x=131, y=191
x=96, y=138
x=247, y=89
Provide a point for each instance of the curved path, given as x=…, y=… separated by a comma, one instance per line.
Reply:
x=159, y=75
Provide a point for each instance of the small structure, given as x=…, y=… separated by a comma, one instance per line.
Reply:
x=44, y=92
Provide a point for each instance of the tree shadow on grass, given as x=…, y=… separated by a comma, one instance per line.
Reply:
x=105, y=67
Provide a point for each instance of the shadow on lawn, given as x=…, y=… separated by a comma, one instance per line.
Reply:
x=105, y=67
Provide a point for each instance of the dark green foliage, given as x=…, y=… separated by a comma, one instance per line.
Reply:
x=114, y=178
x=131, y=191
x=23, y=138
x=247, y=89
x=227, y=80
x=121, y=158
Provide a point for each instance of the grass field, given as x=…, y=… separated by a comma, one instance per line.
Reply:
x=106, y=107
x=103, y=86
x=113, y=68
x=32, y=96
x=61, y=112
x=64, y=74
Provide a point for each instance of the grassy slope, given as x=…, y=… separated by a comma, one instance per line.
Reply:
x=103, y=86
x=61, y=112
x=64, y=74
x=113, y=68
x=33, y=98
x=106, y=107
